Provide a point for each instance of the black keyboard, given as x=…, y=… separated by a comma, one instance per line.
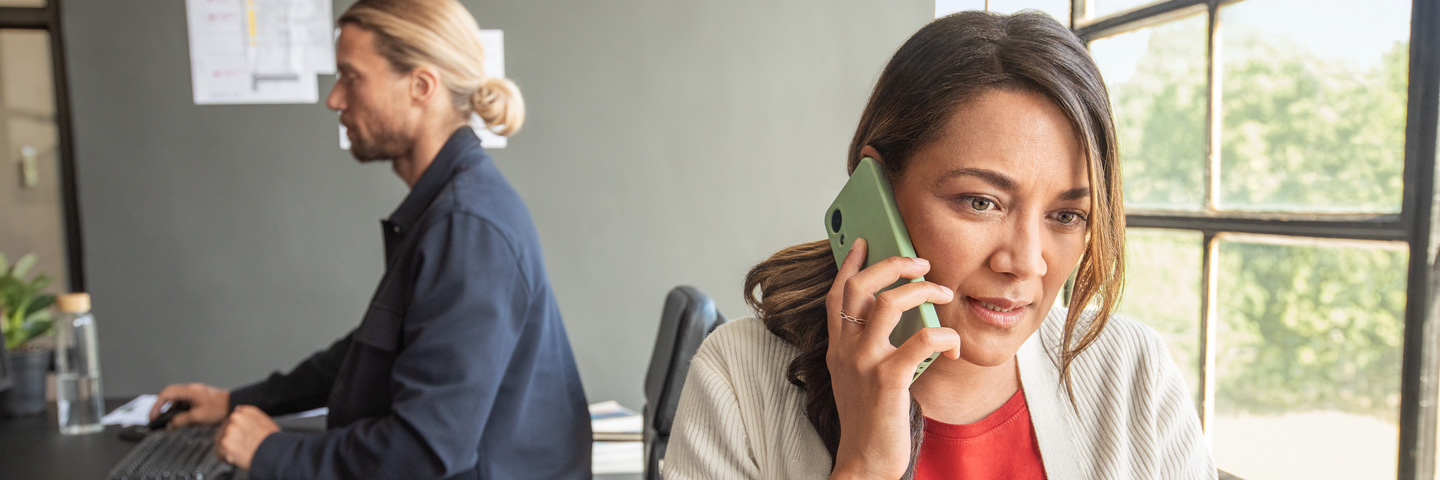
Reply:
x=182, y=454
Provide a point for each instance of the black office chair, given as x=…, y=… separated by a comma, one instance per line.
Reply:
x=689, y=316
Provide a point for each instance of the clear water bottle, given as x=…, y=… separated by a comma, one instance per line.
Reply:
x=77, y=366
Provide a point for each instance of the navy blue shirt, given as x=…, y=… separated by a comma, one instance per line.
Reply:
x=460, y=368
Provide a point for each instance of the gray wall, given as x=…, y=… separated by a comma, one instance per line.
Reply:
x=667, y=143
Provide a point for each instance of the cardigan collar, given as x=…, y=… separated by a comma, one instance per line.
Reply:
x=1051, y=411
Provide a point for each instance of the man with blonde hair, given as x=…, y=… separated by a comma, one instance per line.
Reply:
x=461, y=367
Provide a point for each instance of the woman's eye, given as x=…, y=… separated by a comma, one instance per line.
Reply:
x=1069, y=218
x=980, y=204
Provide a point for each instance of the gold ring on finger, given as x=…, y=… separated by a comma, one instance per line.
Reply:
x=851, y=318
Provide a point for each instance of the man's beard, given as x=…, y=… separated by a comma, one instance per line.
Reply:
x=382, y=146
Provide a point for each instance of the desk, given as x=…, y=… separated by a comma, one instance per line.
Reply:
x=33, y=448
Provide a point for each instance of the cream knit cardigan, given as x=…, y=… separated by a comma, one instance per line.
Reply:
x=1132, y=417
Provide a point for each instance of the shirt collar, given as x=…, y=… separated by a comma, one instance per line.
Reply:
x=434, y=179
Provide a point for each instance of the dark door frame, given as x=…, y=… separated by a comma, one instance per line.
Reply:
x=48, y=18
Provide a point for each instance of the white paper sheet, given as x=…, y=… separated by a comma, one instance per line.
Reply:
x=258, y=51
x=617, y=457
x=134, y=412
x=611, y=417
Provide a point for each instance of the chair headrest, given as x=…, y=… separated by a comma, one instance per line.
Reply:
x=689, y=316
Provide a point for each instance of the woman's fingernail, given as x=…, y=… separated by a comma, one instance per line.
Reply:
x=947, y=290
x=922, y=262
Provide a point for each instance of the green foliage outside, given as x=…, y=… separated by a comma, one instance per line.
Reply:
x=1162, y=289
x=1310, y=328
x=1302, y=327
x=1160, y=119
x=1302, y=133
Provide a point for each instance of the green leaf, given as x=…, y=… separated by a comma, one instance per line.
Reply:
x=22, y=266
x=36, y=326
x=39, y=303
x=39, y=283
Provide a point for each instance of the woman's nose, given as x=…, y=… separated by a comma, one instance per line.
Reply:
x=1022, y=254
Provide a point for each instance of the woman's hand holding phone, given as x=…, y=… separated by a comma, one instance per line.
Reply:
x=870, y=377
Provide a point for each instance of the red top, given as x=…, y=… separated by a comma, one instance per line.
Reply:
x=1001, y=445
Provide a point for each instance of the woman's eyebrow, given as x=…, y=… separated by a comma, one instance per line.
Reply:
x=1003, y=182
x=1075, y=194
x=997, y=179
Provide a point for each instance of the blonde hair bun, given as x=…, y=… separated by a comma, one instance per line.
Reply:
x=499, y=104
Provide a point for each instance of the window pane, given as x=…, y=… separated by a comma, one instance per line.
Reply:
x=31, y=214
x=1313, y=110
x=1156, y=77
x=946, y=7
x=1308, y=358
x=1101, y=8
x=1060, y=9
x=1162, y=289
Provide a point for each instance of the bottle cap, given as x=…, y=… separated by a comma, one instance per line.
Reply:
x=73, y=302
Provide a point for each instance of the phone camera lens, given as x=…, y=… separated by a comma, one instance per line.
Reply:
x=835, y=221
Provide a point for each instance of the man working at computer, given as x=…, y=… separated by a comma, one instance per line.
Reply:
x=461, y=367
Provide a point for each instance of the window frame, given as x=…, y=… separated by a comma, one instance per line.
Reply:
x=1414, y=224
x=47, y=18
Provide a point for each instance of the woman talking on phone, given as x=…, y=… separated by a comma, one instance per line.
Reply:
x=996, y=136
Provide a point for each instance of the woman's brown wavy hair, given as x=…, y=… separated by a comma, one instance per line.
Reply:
x=945, y=64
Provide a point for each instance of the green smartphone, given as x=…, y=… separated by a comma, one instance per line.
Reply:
x=866, y=209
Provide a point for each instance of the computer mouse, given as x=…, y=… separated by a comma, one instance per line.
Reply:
x=164, y=419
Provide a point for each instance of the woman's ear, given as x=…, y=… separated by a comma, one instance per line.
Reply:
x=869, y=151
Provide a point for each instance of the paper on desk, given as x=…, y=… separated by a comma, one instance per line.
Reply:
x=306, y=414
x=137, y=412
x=134, y=412
x=617, y=457
x=611, y=417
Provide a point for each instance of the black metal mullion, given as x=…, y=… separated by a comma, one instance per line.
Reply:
x=1079, y=11
x=22, y=17
x=1418, y=371
x=1208, y=322
x=70, y=191
x=1137, y=18
x=1212, y=106
x=1208, y=270
x=1380, y=227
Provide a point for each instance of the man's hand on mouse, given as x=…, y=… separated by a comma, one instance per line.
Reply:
x=208, y=405
x=241, y=433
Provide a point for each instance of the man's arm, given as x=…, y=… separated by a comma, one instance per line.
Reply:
x=468, y=309
x=304, y=388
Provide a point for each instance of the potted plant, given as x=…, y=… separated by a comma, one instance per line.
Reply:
x=25, y=321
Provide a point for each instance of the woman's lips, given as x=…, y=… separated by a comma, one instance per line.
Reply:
x=997, y=312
